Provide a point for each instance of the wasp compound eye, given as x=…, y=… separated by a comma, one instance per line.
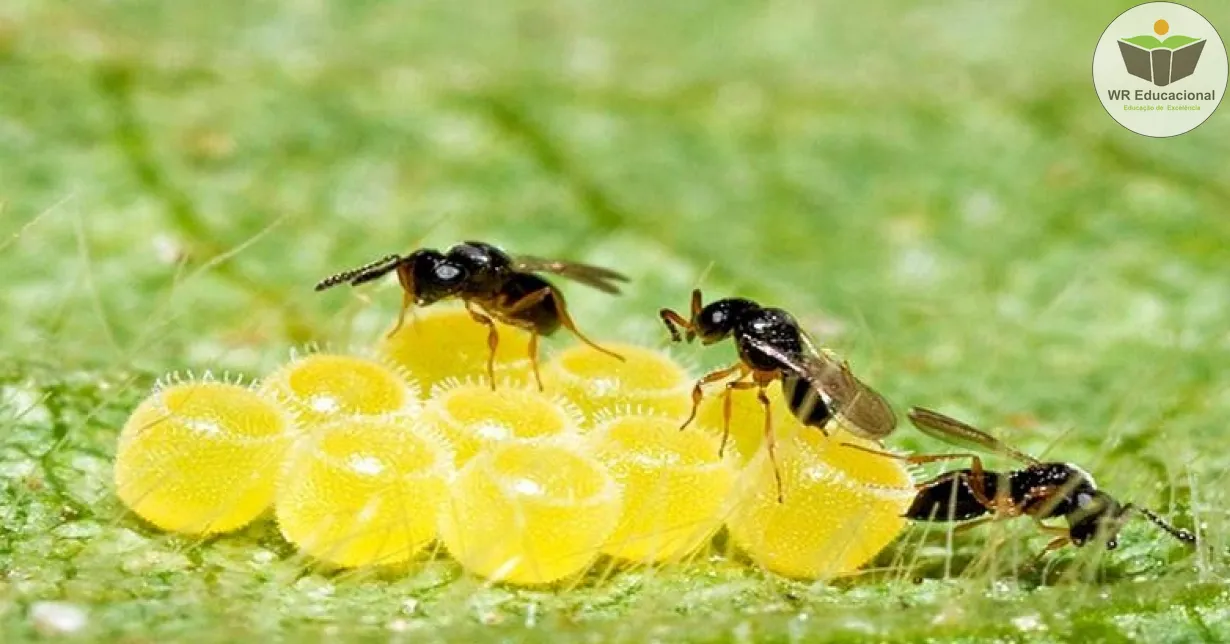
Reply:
x=448, y=274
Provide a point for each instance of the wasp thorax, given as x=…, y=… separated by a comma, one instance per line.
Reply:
x=483, y=261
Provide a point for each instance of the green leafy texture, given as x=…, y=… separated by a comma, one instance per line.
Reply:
x=962, y=220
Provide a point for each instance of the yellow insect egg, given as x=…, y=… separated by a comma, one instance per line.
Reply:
x=364, y=490
x=323, y=386
x=444, y=343
x=530, y=512
x=841, y=507
x=746, y=418
x=676, y=488
x=472, y=416
x=598, y=384
x=201, y=457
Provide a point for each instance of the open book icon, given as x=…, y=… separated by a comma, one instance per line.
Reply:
x=1161, y=62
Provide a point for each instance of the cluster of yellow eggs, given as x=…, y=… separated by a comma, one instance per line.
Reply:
x=369, y=460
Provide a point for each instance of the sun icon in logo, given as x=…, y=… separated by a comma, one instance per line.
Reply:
x=1161, y=27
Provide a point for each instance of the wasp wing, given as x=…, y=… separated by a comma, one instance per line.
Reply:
x=860, y=408
x=597, y=277
x=954, y=432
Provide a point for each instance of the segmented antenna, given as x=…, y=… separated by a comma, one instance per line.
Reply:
x=1177, y=533
x=364, y=273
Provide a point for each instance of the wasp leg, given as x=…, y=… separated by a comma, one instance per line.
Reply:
x=674, y=322
x=520, y=305
x=697, y=303
x=726, y=405
x=1062, y=538
x=533, y=351
x=1051, y=495
x=526, y=302
x=698, y=391
x=1056, y=543
x=1058, y=531
x=976, y=479
x=493, y=340
x=561, y=310
x=407, y=297
x=407, y=301
x=970, y=525
x=762, y=380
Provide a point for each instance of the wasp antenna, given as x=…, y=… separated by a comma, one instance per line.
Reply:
x=1177, y=533
x=364, y=273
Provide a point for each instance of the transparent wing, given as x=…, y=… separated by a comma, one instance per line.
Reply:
x=955, y=432
x=859, y=407
x=597, y=277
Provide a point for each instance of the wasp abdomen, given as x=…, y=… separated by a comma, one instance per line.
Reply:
x=949, y=497
x=805, y=401
x=543, y=315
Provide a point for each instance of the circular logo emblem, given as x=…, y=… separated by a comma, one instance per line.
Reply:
x=1160, y=69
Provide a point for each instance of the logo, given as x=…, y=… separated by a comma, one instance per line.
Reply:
x=1161, y=62
x=1160, y=45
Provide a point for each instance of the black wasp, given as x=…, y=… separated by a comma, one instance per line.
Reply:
x=818, y=386
x=1042, y=490
x=491, y=284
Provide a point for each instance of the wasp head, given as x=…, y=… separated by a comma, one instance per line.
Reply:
x=432, y=276
x=1097, y=516
x=715, y=322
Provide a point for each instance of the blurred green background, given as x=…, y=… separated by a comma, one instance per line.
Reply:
x=932, y=188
